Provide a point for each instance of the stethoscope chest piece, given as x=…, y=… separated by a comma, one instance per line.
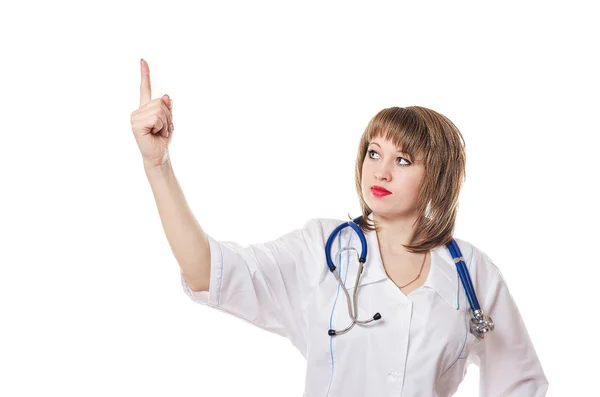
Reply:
x=481, y=324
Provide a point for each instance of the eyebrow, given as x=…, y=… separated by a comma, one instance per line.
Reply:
x=397, y=149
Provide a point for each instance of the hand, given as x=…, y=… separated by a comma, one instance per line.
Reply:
x=152, y=123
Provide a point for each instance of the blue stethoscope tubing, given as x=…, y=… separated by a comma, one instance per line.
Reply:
x=480, y=323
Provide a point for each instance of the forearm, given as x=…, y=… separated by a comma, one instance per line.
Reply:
x=186, y=238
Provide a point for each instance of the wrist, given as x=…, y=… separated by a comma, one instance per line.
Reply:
x=163, y=168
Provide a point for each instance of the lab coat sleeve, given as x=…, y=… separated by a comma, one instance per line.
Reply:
x=267, y=284
x=508, y=363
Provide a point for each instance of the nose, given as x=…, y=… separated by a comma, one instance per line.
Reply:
x=382, y=172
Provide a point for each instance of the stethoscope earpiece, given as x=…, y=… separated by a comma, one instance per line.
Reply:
x=332, y=332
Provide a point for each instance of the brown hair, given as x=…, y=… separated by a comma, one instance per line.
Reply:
x=421, y=131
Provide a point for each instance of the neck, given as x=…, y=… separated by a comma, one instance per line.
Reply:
x=392, y=233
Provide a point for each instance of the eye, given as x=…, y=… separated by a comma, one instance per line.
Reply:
x=406, y=162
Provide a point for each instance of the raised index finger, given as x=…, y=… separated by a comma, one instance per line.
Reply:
x=145, y=90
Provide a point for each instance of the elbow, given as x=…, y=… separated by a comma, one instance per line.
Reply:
x=196, y=284
x=534, y=387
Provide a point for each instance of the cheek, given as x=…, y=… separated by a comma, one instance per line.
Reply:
x=409, y=183
x=364, y=173
x=364, y=167
x=414, y=182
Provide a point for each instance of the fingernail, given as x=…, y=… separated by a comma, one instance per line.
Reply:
x=171, y=127
x=170, y=103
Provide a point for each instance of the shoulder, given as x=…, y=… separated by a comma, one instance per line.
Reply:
x=323, y=226
x=481, y=268
x=474, y=255
x=312, y=233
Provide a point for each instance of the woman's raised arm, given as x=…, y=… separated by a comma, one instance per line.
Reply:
x=152, y=126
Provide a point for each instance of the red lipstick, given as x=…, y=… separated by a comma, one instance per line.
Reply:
x=379, y=191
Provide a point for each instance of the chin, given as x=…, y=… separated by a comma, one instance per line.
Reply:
x=388, y=211
x=379, y=208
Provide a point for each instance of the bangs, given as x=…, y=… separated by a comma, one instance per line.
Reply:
x=402, y=127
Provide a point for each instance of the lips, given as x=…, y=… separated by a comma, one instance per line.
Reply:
x=380, y=191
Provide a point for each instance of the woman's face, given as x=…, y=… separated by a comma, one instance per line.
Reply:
x=387, y=167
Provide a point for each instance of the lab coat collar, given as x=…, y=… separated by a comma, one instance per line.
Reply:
x=442, y=278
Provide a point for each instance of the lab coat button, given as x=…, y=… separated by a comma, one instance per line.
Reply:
x=394, y=375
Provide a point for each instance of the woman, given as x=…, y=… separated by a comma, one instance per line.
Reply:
x=409, y=171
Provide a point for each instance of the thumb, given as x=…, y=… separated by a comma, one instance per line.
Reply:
x=167, y=100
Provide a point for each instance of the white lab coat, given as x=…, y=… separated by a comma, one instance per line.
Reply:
x=420, y=347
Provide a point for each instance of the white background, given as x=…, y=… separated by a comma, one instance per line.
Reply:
x=270, y=100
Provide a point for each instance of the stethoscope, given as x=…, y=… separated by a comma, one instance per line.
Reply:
x=480, y=323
